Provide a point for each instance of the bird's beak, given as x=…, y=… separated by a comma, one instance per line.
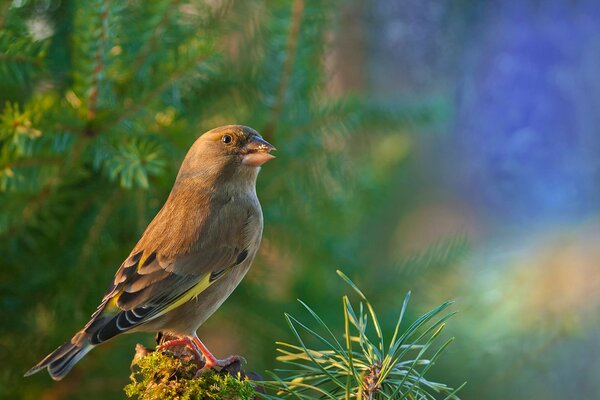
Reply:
x=256, y=152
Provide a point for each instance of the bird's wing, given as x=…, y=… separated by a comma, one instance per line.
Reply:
x=147, y=286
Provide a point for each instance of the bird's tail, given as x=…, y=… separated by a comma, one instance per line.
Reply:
x=61, y=360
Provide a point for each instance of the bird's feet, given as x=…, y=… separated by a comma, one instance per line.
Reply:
x=202, y=353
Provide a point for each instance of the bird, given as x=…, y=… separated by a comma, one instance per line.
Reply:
x=191, y=256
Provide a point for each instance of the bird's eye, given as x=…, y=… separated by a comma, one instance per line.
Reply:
x=226, y=139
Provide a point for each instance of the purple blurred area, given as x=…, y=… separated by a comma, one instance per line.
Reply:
x=520, y=78
x=526, y=119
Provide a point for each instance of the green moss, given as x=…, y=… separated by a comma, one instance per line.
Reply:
x=161, y=376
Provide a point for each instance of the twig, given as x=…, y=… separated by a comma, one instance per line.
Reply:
x=31, y=162
x=292, y=44
x=36, y=203
x=20, y=58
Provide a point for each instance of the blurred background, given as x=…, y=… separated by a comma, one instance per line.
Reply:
x=444, y=147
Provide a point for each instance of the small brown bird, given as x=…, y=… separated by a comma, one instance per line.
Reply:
x=191, y=256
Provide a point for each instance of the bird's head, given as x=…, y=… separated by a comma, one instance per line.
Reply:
x=227, y=152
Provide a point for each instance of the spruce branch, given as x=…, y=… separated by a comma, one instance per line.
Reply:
x=20, y=57
x=150, y=45
x=96, y=229
x=443, y=252
x=135, y=107
x=99, y=65
x=290, y=56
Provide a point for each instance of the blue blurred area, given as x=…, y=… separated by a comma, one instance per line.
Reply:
x=526, y=111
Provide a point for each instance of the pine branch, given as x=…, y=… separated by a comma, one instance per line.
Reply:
x=373, y=371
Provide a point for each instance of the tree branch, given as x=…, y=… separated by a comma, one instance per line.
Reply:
x=4, y=12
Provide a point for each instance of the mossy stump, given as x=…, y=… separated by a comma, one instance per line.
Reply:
x=175, y=375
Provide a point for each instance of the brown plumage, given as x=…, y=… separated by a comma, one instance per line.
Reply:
x=192, y=255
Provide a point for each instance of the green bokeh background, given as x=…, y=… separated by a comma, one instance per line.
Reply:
x=102, y=99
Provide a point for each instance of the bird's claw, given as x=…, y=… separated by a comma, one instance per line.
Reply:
x=224, y=363
x=184, y=342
